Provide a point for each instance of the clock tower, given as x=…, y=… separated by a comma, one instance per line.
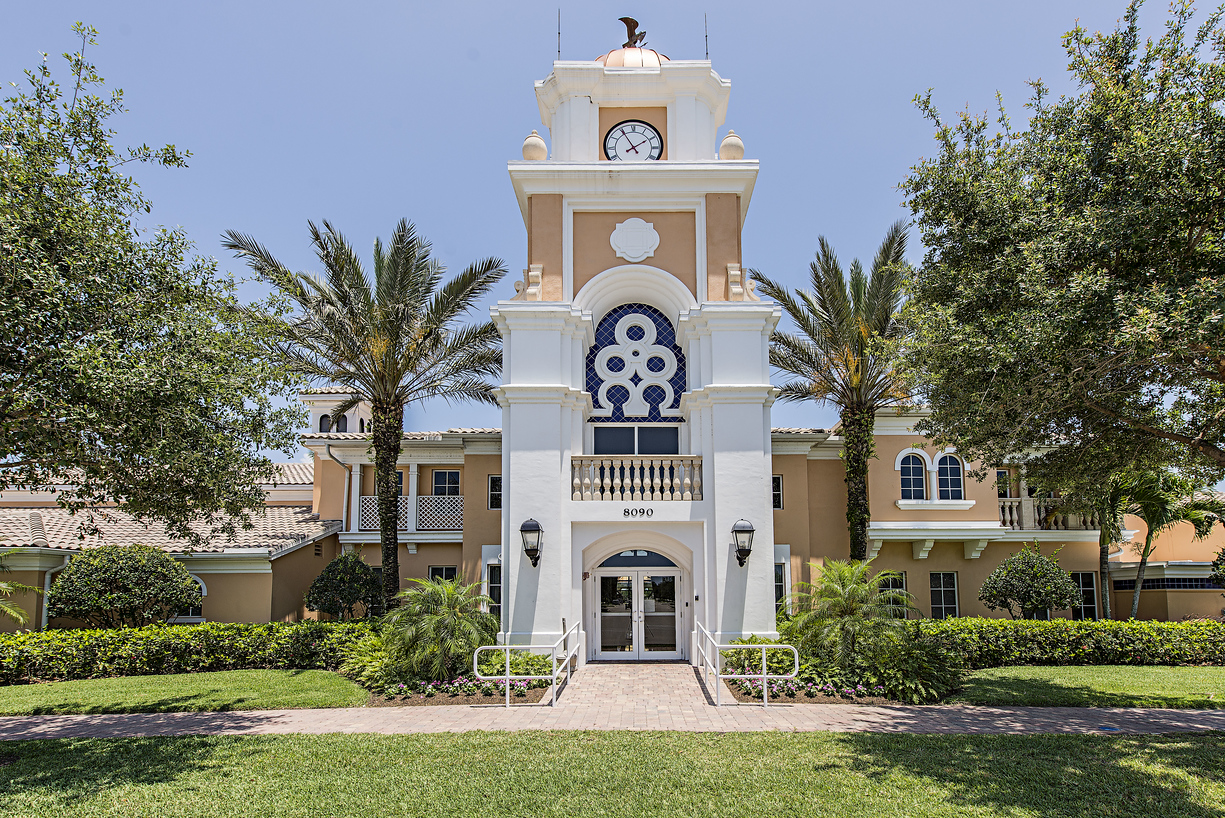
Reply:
x=636, y=392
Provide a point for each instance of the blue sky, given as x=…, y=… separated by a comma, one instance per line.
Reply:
x=366, y=112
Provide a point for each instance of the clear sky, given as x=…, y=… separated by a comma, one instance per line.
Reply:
x=366, y=112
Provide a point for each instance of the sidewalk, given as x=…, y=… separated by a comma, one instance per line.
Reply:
x=626, y=697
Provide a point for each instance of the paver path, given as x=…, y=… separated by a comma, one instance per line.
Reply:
x=627, y=697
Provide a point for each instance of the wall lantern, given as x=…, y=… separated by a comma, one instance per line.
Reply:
x=530, y=531
x=742, y=534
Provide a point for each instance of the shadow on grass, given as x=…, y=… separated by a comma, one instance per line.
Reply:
x=1053, y=775
x=1011, y=691
x=174, y=704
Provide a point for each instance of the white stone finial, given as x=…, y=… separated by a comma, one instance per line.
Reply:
x=730, y=148
x=535, y=150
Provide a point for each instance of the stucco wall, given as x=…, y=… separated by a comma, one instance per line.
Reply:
x=482, y=526
x=722, y=241
x=1174, y=544
x=329, y=494
x=828, y=537
x=417, y=565
x=237, y=597
x=293, y=573
x=29, y=602
x=544, y=242
x=677, y=251
x=885, y=487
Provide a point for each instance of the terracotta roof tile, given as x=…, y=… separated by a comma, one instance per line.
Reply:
x=295, y=473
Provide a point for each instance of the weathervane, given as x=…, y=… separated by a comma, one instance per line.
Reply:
x=635, y=38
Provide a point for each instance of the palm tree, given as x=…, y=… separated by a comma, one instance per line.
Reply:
x=839, y=355
x=438, y=625
x=8, y=608
x=1163, y=500
x=846, y=604
x=388, y=340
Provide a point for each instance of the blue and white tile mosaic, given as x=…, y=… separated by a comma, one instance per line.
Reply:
x=635, y=370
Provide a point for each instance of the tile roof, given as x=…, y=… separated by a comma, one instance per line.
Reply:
x=277, y=528
x=789, y=430
x=294, y=473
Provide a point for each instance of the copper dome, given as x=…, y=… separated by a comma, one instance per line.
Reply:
x=631, y=58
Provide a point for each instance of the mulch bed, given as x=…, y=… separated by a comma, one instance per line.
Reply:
x=417, y=700
x=804, y=699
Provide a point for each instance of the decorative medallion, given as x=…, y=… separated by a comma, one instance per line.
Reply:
x=634, y=240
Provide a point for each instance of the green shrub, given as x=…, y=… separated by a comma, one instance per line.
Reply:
x=437, y=626
x=980, y=643
x=522, y=663
x=345, y=583
x=1030, y=584
x=60, y=655
x=368, y=663
x=116, y=586
x=907, y=668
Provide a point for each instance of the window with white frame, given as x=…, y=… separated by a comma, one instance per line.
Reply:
x=495, y=492
x=194, y=613
x=443, y=572
x=914, y=478
x=493, y=588
x=446, y=483
x=949, y=478
x=1087, y=581
x=776, y=490
x=780, y=585
x=944, y=594
x=1003, y=483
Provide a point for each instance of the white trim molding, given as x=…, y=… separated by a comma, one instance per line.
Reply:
x=935, y=505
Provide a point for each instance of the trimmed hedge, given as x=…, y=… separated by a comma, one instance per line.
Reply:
x=983, y=643
x=59, y=655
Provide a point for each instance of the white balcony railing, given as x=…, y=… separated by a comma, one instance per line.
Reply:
x=1041, y=514
x=444, y=513
x=624, y=478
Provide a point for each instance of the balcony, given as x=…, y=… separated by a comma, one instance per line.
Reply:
x=443, y=513
x=1041, y=514
x=628, y=478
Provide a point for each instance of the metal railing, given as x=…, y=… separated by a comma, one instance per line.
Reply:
x=711, y=656
x=569, y=654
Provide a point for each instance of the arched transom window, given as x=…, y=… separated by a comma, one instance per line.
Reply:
x=914, y=478
x=949, y=478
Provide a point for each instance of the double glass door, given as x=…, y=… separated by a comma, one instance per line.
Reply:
x=638, y=615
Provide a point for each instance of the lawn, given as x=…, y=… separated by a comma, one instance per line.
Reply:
x=227, y=690
x=1097, y=686
x=617, y=774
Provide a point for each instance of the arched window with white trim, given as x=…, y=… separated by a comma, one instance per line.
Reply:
x=914, y=478
x=949, y=478
x=325, y=423
x=342, y=423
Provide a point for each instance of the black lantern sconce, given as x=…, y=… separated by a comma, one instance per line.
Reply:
x=531, y=532
x=742, y=535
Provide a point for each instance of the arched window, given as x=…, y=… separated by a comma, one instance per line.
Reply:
x=361, y=425
x=342, y=423
x=325, y=423
x=949, y=478
x=914, y=478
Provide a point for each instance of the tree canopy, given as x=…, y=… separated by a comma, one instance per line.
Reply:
x=1029, y=584
x=126, y=369
x=1073, y=290
x=116, y=586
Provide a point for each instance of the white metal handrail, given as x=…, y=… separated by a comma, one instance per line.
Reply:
x=562, y=644
x=711, y=657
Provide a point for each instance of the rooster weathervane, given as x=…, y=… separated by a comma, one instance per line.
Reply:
x=634, y=37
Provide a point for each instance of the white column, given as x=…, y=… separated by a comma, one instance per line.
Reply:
x=355, y=498
x=412, y=497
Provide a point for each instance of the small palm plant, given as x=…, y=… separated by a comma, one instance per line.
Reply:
x=437, y=626
x=388, y=339
x=841, y=355
x=1162, y=500
x=8, y=608
x=846, y=606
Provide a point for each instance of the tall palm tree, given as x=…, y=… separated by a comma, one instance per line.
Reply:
x=388, y=339
x=1163, y=500
x=839, y=355
x=845, y=605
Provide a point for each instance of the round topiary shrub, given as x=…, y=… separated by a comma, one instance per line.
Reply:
x=115, y=586
x=1030, y=584
x=345, y=583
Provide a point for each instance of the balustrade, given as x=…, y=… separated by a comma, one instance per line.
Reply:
x=1042, y=514
x=624, y=478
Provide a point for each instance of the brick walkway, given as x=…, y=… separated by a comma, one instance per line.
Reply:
x=627, y=697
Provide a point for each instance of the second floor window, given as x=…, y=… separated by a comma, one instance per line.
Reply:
x=325, y=423
x=949, y=478
x=446, y=483
x=495, y=492
x=913, y=478
x=776, y=490
x=342, y=423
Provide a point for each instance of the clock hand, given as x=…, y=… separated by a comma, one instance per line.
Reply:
x=635, y=148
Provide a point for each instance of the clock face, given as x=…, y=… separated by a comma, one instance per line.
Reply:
x=633, y=141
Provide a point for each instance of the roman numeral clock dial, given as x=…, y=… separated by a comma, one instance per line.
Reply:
x=633, y=141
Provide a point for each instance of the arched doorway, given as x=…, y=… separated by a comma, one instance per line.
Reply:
x=638, y=612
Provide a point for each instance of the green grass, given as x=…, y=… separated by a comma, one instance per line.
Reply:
x=617, y=774
x=227, y=690
x=1097, y=686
